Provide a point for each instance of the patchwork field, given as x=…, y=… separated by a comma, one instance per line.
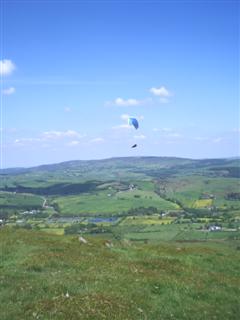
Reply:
x=146, y=220
x=105, y=202
x=20, y=200
x=189, y=190
x=203, y=203
x=163, y=239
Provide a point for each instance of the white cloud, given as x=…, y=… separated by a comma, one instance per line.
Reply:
x=69, y=137
x=122, y=126
x=125, y=117
x=61, y=134
x=126, y=125
x=162, y=130
x=174, y=135
x=160, y=92
x=67, y=109
x=168, y=133
x=217, y=140
x=97, y=140
x=73, y=143
x=140, y=137
x=170, y=142
x=53, y=136
x=128, y=102
x=200, y=138
x=8, y=91
x=6, y=67
x=120, y=102
x=26, y=141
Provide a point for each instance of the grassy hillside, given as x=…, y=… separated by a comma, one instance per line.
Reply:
x=52, y=277
x=189, y=189
x=117, y=169
x=107, y=203
x=164, y=258
x=102, y=186
x=25, y=201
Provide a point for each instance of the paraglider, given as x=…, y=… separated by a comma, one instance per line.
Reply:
x=133, y=122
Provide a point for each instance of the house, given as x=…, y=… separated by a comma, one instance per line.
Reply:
x=215, y=228
x=131, y=187
x=205, y=196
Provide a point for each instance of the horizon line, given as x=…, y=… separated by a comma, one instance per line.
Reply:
x=112, y=158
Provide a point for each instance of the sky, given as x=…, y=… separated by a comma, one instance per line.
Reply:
x=73, y=72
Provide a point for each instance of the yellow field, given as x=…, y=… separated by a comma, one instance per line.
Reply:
x=148, y=220
x=206, y=220
x=57, y=231
x=203, y=203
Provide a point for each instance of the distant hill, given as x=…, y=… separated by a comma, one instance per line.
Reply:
x=116, y=185
x=164, y=162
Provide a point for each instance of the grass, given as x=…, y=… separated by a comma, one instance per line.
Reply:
x=203, y=203
x=146, y=220
x=57, y=231
x=152, y=233
x=101, y=203
x=51, y=277
x=21, y=201
x=204, y=235
x=189, y=189
x=158, y=269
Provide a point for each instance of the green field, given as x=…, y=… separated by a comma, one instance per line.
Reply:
x=146, y=220
x=189, y=189
x=82, y=187
x=20, y=200
x=162, y=260
x=102, y=203
x=203, y=203
x=57, y=231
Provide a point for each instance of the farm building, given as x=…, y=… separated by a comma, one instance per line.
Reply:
x=206, y=196
x=215, y=228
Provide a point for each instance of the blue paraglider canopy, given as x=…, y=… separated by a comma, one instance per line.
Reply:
x=133, y=122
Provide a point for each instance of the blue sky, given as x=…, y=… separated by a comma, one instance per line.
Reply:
x=73, y=71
